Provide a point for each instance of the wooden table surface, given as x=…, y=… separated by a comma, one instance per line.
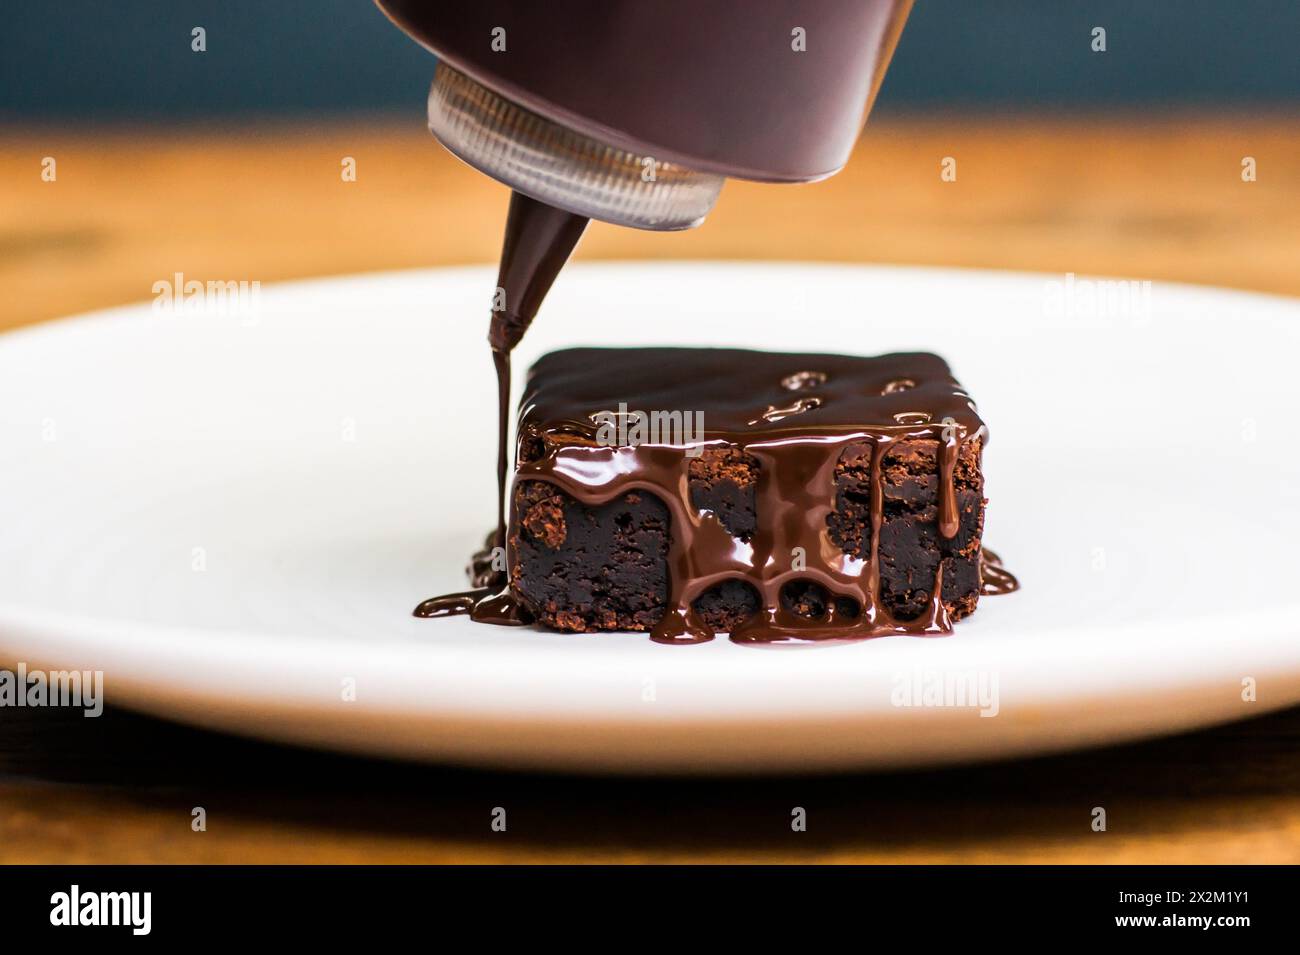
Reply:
x=1141, y=198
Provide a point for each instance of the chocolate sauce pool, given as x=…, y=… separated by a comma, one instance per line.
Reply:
x=797, y=457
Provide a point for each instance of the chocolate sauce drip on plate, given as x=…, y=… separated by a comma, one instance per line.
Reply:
x=995, y=579
x=490, y=600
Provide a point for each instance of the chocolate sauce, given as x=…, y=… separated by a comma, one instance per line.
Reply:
x=538, y=241
x=995, y=579
x=860, y=404
x=490, y=600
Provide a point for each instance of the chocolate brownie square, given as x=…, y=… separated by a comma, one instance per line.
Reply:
x=771, y=496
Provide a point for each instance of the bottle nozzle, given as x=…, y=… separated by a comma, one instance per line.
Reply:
x=562, y=167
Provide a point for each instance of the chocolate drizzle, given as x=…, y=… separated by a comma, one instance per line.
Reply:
x=538, y=241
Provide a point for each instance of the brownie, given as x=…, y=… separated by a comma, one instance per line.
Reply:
x=736, y=494
x=911, y=548
x=580, y=567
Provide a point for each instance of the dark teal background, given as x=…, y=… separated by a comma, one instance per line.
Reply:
x=131, y=59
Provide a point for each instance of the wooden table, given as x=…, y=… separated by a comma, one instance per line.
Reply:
x=1142, y=198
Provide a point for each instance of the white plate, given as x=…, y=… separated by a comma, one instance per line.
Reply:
x=232, y=515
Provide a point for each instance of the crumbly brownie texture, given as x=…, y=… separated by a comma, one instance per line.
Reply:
x=911, y=547
x=591, y=568
x=722, y=481
x=605, y=567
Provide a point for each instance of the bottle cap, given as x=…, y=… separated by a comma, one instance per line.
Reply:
x=562, y=167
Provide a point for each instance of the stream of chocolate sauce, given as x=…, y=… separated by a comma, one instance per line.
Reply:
x=795, y=492
x=538, y=241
